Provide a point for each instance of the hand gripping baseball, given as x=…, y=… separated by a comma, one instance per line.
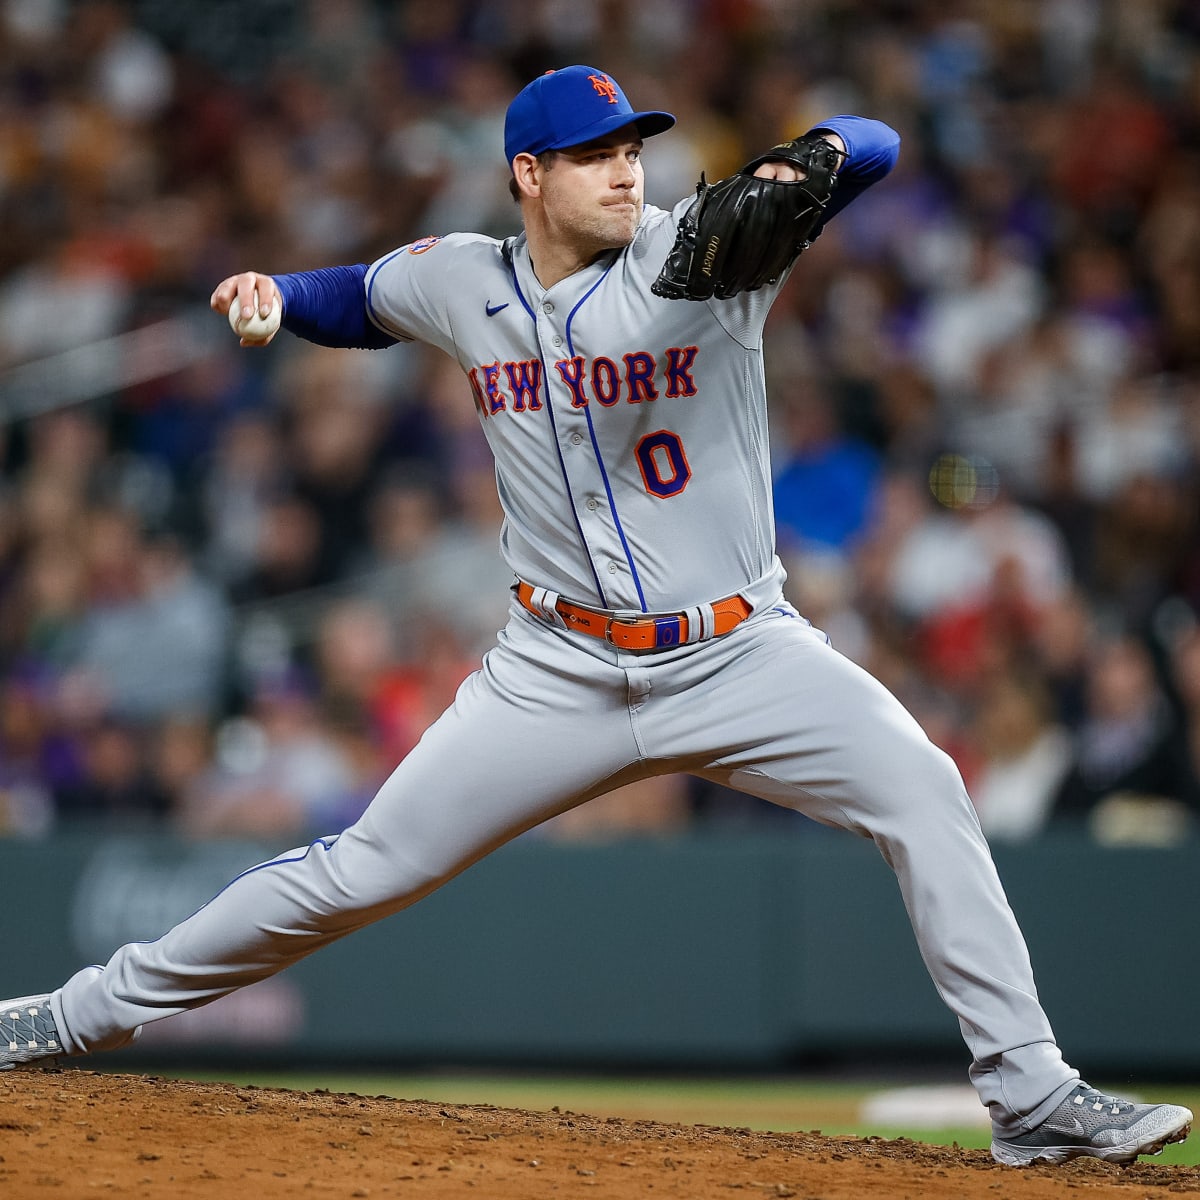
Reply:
x=252, y=303
x=745, y=231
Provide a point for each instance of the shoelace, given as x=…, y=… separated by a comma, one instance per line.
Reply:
x=1098, y=1101
x=21, y=1027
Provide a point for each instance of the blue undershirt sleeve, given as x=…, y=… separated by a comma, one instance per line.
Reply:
x=871, y=152
x=329, y=307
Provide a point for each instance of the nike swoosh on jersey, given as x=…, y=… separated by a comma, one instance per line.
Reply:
x=493, y=309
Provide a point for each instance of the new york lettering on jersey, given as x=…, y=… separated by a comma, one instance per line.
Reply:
x=640, y=376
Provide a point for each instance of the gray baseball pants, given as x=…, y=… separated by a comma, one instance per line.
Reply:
x=553, y=719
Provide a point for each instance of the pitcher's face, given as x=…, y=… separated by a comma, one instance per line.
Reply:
x=592, y=194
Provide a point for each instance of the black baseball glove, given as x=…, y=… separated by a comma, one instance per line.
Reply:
x=744, y=232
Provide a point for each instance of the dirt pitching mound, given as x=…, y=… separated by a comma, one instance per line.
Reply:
x=75, y=1133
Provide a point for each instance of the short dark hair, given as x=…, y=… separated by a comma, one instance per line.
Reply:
x=545, y=159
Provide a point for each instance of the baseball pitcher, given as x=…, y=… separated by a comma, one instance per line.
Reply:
x=614, y=354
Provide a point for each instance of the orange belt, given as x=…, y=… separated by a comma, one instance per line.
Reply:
x=645, y=633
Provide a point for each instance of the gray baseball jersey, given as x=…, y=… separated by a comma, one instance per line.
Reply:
x=630, y=437
x=630, y=433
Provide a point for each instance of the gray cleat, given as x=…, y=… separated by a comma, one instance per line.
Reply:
x=28, y=1035
x=1090, y=1124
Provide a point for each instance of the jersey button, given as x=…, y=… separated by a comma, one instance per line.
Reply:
x=612, y=568
x=547, y=307
x=593, y=503
x=556, y=340
x=576, y=439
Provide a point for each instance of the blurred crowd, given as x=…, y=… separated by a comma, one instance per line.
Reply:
x=235, y=586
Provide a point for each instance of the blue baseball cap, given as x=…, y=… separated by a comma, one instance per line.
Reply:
x=567, y=107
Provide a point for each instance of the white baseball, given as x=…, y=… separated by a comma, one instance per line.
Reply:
x=255, y=328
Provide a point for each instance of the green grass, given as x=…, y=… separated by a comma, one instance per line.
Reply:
x=767, y=1104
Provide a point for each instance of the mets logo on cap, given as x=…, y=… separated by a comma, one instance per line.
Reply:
x=569, y=107
x=604, y=87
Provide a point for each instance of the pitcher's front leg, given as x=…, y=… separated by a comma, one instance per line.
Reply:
x=807, y=728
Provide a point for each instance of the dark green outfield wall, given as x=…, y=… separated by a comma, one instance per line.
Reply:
x=711, y=952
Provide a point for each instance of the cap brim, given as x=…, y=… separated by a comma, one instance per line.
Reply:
x=648, y=124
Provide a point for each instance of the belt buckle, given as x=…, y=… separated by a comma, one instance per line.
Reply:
x=611, y=623
x=666, y=630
